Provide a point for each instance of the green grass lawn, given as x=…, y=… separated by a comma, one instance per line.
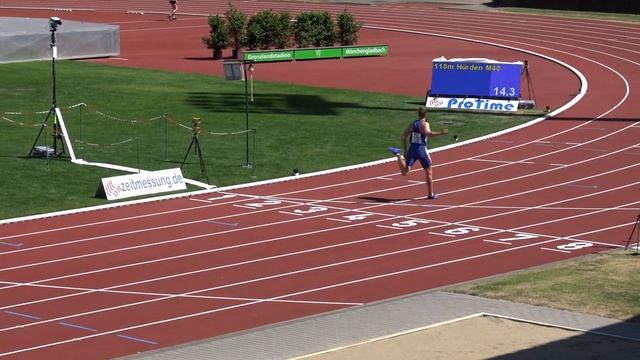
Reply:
x=297, y=127
x=604, y=284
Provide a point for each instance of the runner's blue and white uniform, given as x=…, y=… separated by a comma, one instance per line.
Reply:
x=418, y=147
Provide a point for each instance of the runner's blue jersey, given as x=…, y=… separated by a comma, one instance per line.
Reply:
x=417, y=137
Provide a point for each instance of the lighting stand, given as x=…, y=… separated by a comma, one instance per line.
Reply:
x=195, y=141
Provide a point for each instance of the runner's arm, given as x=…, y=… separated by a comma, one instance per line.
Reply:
x=405, y=137
x=426, y=129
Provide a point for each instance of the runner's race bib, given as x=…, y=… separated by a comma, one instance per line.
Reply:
x=416, y=138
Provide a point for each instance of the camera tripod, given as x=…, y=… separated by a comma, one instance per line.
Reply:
x=526, y=76
x=195, y=144
x=635, y=229
x=59, y=129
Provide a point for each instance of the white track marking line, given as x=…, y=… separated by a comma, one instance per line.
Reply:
x=441, y=234
x=341, y=220
x=498, y=242
x=558, y=142
x=200, y=200
x=516, y=162
x=390, y=227
x=244, y=207
x=290, y=213
x=556, y=250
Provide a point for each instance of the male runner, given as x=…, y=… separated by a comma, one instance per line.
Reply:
x=417, y=133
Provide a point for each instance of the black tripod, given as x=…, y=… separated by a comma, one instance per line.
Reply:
x=526, y=77
x=197, y=149
x=54, y=110
x=636, y=226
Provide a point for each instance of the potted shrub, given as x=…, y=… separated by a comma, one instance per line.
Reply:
x=348, y=28
x=284, y=30
x=237, y=24
x=261, y=29
x=315, y=29
x=218, y=38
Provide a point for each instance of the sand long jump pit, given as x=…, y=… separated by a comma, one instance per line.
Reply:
x=484, y=336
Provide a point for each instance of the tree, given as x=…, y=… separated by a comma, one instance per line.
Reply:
x=218, y=38
x=237, y=23
x=348, y=28
x=315, y=29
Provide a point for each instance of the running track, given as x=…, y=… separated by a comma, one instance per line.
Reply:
x=122, y=280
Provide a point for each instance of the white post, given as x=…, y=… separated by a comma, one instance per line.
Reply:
x=65, y=135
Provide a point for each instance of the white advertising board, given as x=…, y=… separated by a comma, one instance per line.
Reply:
x=146, y=183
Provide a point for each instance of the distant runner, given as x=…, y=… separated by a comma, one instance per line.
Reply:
x=417, y=133
x=174, y=9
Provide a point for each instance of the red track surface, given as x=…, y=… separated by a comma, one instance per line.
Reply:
x=117, y=281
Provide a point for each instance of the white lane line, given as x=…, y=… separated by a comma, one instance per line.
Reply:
x=582, y=186
x=556, y=250
x=390, y=227
x=341, y=220
x=290, y=213
x=200, y=200
x=515, y=162
x=244, y=206
x=441, y=234
x=498, y=242
x=558, y=142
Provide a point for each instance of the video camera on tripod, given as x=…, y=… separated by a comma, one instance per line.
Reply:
x=54, y=22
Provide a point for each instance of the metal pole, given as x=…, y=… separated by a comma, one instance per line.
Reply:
x=81, y=122
x=253, y=158
x=138, y=150
x=251, y=79
x=246, y=110
x=54, y=101
x=54, y=54
x=166, y=138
